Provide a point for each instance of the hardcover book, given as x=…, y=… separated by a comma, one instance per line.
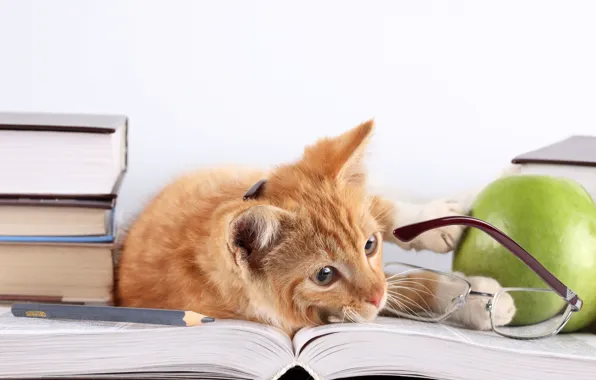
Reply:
x=51, y=220
x=56, y=272
x=573, y=158
x=51, y=155
x=574, y=150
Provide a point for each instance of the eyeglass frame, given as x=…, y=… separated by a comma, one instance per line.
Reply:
x=411, y=231
x=463, y=297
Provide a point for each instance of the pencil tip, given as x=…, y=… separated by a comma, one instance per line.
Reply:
x=193, y=318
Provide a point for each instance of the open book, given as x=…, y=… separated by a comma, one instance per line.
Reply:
x=237, y=349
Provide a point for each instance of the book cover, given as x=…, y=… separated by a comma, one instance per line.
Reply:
x=62, y=122
x=579, y=150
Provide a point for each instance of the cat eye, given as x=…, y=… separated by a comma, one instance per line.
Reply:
x=324, y=276
x=371, y=245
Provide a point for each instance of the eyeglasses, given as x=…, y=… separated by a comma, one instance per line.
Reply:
x=433, y=296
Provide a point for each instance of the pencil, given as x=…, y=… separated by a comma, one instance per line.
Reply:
x=109, y=314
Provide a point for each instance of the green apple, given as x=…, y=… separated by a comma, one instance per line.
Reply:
x=552, y=218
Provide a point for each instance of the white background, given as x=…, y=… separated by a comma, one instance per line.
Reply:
x=456, y=88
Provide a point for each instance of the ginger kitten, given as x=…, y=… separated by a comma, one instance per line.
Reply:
x=304, y=249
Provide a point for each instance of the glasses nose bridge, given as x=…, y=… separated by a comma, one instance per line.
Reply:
x=460, y=301
x=491, y=296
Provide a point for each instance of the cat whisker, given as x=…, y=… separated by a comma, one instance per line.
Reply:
x=418, y=292
x=395, y=290
x=400, y=298
x=423, y=279
x=405, y=312
x=406, y=284
x=402, y=314
x=425, y=290
x=305, y=313
x=353, y=316
x=427, y=309
x=401, y=273
x=347, y=312
x=405, y=299
x=433, y=296
x=399, y=303
x=406, y=309
x=383, y=212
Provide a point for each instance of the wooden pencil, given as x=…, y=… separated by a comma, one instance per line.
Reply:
x=109, y=314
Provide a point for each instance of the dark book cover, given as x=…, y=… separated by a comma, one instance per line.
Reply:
x=57, y=202
x=62, y=122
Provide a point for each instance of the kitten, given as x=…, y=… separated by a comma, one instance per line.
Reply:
x=305, y=249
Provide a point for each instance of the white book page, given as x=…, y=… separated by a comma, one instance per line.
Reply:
x=587, y=338
x=34, y=347
x=393, y=346
x=564, y=345
x=57, y=162
x=11, y=325
x=395, y=325
x=585, y=175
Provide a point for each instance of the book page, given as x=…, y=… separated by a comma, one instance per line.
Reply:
x=10, y=325
x=403, y=347
x=404, y=326
x=561, y=345
x=224, y=348
x=587, y=337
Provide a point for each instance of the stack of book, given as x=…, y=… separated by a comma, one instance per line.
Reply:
x=59, y=180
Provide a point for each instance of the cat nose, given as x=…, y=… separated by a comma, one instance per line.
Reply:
x=376, y=296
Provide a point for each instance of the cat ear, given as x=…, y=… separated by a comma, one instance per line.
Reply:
x=341, y=158
x=256, y=231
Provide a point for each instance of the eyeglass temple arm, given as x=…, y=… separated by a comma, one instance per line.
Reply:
x=409, y=232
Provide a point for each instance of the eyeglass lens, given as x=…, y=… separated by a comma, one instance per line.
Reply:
x=423, y=294
x=534, y=312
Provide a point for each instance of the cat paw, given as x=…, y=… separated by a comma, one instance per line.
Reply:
x=475, y=315
x=439, y=240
